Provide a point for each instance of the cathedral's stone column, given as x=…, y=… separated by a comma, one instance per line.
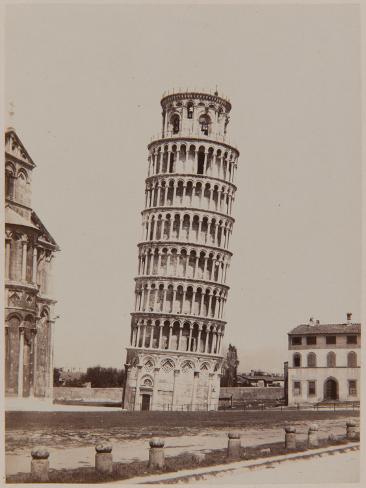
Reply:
x=161, y=325
x=138, y=335
x=7, y=258
x=34, y=265
x=209, y=390
x=175, y=388
x=144, y=335
x=50, y=372
x=194, y=390
x=136, y=301
x=49, y=282
x=155, y=389
x=34, y=361
x=21, y=362
x=127, y=371
x=137, y=393
x=24, y=259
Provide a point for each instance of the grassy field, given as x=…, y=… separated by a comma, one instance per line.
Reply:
x=161, y=423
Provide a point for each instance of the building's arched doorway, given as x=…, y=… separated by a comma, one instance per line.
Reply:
x=331, y=389
x=145, y=402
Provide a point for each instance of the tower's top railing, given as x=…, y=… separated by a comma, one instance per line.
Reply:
x=196, y=94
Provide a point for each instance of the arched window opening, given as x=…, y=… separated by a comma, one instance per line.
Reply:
x=297, y=360
x=175, y=123
x=167, y=365
x=158, y=161
x=311, y=360
x=190, y=110
x=204, y=122
x=22, y=176
x=147, y=383
x=352, y=360
x=170, y=193
x=331, y=360
x=9, y=183
x=182, y=153
x=171, y=163
x=201, y=163
x=180, y=192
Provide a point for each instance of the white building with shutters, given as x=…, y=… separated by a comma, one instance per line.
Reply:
x=324, y=362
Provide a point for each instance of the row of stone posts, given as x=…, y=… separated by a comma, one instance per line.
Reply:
x=104, y=458
x=290, y=435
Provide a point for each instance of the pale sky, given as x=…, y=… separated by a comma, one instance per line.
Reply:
x=86, y=83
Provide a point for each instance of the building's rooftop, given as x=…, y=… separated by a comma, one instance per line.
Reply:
x=308, y=329
x=11, y=132
x=14, y=218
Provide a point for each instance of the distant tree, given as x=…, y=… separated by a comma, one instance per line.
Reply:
x=75, y=382
x=57, y=377
x=230, y=367
x=100, y=377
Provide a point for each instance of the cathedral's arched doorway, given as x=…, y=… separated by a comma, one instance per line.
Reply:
x=331, y=389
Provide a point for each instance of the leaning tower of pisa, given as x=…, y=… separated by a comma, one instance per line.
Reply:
x=174, y=359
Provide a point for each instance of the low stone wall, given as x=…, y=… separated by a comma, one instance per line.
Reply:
x=66, y=393
x=242, y=394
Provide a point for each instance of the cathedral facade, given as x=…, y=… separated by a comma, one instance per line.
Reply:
x=174, y=359
x=29, y=301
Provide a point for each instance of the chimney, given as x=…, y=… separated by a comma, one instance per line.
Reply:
x=349, y=318
x=311, y=321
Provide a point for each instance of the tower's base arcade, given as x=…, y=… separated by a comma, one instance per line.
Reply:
x=171, y=382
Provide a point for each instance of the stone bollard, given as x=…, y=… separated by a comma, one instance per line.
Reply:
x=40, y=465
x=234, y=445
x=265, y=451
x=313, y=436
x=351, y=429
x=198, y=457
x=156, y=453
x=290, y=437
x=103, y=459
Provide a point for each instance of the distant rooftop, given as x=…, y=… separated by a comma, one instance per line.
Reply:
x=255, y=377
